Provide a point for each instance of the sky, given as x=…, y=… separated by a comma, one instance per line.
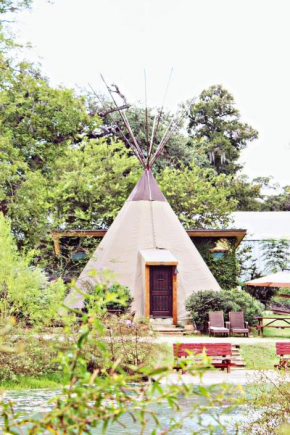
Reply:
x=242, y=44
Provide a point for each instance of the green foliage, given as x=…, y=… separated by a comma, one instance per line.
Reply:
x=259, y=356
x=275, y=254
x=178, y=151
x=37, y=359
x=247, y=264
x=39, y=124
x=246, y=303
x=279, y=300
x=91, y=184
x=215, y=125
x=127, y=297
x=199, y=304
x=25, y=291
x=98, y=396
x=225, y=269
x=280, y=202
x=247, y=193
x=272, y=396
x=262, y=294
x=198, y=197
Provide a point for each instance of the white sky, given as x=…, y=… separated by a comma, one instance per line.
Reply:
x=242, y=44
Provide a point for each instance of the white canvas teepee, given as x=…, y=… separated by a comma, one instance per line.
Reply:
x=145, y=234
x=147, y=230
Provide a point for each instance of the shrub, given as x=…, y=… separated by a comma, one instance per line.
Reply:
x=262, y=294
x=246, y=303
x=201, y=303
x=106, y=381
x=117, y=289
x=25, y=292
x=279, y=300
x=37, y=359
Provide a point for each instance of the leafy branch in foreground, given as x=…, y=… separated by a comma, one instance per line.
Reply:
x=116, y=392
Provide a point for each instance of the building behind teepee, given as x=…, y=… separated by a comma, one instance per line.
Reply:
x=148, y=249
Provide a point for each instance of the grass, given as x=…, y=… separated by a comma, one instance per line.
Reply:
x=273, y=332
x=53, y=381
x=259, y=356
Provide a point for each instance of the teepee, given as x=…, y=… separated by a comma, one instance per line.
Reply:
x=147, y=248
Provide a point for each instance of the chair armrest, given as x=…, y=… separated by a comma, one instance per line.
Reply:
x=208, y=325
x=247, y=325
x=228, y=325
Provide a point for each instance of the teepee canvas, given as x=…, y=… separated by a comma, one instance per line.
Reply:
x=150, y=252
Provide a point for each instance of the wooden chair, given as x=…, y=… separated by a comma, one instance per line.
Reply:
x=216, y=324
x=238, y=324
x=221, y=354
x=283, y=351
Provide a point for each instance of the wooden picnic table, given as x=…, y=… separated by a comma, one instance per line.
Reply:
x=271, y=323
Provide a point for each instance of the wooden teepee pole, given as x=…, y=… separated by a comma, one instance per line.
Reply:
x=118, y=126
x=126, y=122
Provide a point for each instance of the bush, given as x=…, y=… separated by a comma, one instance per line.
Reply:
x=37, y=359
x=25, y=292
x=127, y=299
x=201, y=303
x=246, y=303
x=280, y=301
x=263, y=294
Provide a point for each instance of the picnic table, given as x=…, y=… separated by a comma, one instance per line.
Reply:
x=272, y=323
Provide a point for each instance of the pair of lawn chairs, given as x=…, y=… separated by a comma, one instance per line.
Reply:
x=236, y=325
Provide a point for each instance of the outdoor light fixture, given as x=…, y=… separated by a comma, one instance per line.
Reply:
x=79, y=254
x=220, y=250
x=218, y=254
x=176, y=271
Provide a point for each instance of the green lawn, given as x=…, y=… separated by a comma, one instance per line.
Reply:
x=259, y=356
x=53, y=381
x=273, y=332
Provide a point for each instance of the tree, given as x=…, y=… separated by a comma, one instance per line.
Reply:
x=275, y=254
x=38, y=125
x=214, y=124
x=25, y=292
x=179, y=149
x=91, y=184
x=280, y=202
x=200, y=198
x=247, y=193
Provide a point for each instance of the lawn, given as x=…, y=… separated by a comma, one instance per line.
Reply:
x=273, y=332
x=259, y=356
x=52, y=381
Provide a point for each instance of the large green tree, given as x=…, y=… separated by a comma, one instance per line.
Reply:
x=218, y=133
x=199, y=197
x=277, y=202
x=179, y=149
x=38, y=124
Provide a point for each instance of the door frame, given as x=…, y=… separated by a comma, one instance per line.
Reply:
x=174, y=288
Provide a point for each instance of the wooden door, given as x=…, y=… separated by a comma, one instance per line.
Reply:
x=161, y=291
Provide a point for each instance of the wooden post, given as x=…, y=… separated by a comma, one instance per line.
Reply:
x=174, y=295
x=147, y=291
x=56, y=244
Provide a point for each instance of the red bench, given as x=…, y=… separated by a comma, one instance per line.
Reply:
x=221, y=353
x=282, y=350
